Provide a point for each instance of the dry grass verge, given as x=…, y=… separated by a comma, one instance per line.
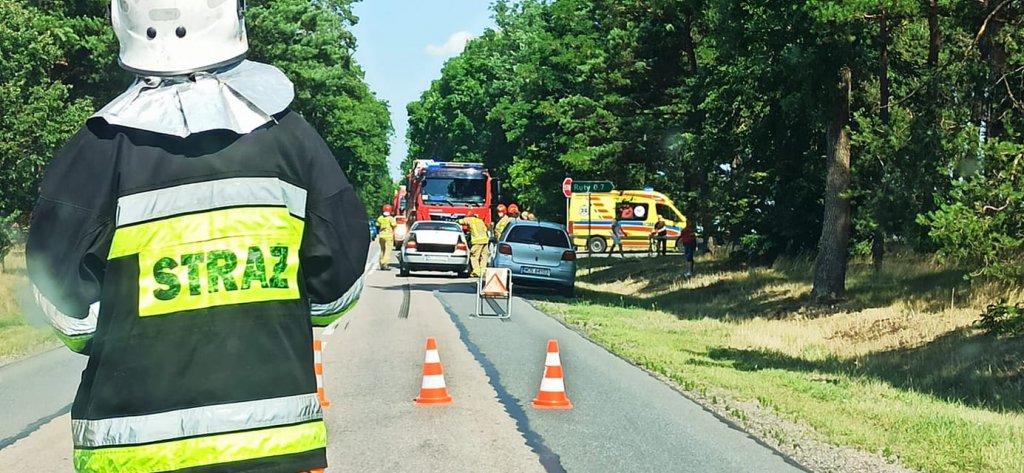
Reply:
x=17, y=337
x=897, y=369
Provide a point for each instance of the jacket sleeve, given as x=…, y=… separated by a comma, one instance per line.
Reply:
x=69, y=239
x=336, y=240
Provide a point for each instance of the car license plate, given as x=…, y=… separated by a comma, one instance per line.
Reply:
x=435, y=258
x=536, y=271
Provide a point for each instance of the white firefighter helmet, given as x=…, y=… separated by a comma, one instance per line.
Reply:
x=175, y=37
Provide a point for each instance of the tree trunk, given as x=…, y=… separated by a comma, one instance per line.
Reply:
x=933, y=33
x=688, y=46
x=830, y=265
x=878, y=237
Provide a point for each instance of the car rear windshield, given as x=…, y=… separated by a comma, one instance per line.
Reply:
x=538, y=236
x=450, y=227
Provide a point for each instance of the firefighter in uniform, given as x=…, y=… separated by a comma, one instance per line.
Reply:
x=478, y=239
x=386, y=235
x=187, y=239
x=503, y=220
x=513, y=211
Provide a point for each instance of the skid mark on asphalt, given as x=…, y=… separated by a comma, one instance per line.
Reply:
x=548, y=458
x=29, y=429
x=403, y=312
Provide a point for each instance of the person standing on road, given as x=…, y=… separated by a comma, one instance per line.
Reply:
x=187, y=239
x=478, y=239
x=661, y=233
x=689, y=241
x=386, y=236
x=617, y=235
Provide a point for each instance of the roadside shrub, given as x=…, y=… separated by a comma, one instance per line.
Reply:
x=755, y=249
x=8, y=237
x=1003, y=319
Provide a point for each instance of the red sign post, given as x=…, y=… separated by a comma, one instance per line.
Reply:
x=567, y=191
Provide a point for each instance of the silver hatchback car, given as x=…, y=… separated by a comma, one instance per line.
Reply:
x=434, y=246
x=538, y=254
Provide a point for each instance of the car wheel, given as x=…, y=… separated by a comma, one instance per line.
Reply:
x=597, y=245
x=403, y=270
x=569, y=291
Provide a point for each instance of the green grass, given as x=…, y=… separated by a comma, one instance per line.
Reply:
x=17, y=338
x=896, y=369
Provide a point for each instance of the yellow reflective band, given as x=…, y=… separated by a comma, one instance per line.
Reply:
x=77, y=343
x=202, y=451
x=206, y=226
x=235, y=270
x=230, y=256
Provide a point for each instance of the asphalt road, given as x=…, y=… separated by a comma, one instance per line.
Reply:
x=622, y=420
x=35, y=390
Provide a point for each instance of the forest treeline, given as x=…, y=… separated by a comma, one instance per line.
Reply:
x=820, y=125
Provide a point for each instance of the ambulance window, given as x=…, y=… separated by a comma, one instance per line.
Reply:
x=633, y=211
x=667, y=213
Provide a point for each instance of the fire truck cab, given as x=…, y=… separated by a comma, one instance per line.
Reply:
x=447, y=192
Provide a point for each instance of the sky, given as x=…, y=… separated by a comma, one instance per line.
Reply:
x=402, y=46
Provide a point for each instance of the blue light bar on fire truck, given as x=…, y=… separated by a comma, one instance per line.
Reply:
x=439, y=166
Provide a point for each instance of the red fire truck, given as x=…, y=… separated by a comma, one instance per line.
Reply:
x=445, y=191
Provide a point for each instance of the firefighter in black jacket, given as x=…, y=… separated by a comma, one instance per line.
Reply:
x=187, y=239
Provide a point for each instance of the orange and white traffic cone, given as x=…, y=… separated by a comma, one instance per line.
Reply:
x=552, y=387
x=433, y=389
x=318, y=368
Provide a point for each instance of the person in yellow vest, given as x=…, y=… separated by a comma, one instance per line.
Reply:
x=385, y=236
x=503, y=221
x=478, y=239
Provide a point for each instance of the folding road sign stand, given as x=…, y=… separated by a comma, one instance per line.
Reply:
x=496, y=283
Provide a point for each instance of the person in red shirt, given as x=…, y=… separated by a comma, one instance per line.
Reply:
x=689, y=240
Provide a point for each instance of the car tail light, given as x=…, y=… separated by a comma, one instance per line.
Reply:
x=411, y=244
x=460, y=246
x=569, y=256
x=505, y=249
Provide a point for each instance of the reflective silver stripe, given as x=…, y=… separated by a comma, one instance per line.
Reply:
x=66, y=324
x=340, y=305
x=209, y=195
x=197, y=421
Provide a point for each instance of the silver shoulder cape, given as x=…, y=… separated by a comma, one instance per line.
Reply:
x=239, y=98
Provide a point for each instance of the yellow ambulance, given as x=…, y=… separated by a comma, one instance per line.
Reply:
x=590, y=223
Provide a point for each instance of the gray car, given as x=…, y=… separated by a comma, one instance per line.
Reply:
x=538, y=254
x=434, y=246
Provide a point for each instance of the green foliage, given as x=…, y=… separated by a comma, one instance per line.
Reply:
x=981, y=222
x=725, y=105
x=755, y=249
x=9, y=236
x=37, y=114
x=312, y=44
x=1003, y=319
